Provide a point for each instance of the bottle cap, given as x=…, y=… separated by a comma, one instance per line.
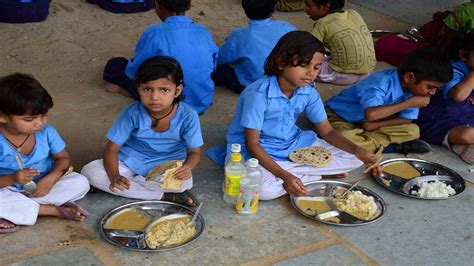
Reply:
x=236, y=157
x=253, y=162
x=235, y=147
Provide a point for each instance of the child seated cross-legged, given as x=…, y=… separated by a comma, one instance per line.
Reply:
x=156, y=130
x=449, y=118
x=266, y=113
x=376, y=113
x=242, y=56
x=32, y=151
x=348, y=39
x=179, y=37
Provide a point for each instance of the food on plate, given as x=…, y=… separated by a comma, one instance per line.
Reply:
x=313, y=206
x=128, y=219
x=358, y=205
x=401, y=169
x=315, y=156
x=436, y=189
x=170, y=231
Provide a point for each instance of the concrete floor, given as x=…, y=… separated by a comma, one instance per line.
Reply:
x=412, y=232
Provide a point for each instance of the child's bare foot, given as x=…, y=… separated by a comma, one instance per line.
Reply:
x=114, y=88
x=72, y=211
x=341, y=175
x=7, y=226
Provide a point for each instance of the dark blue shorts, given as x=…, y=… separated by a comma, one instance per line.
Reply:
x=22, y=11
x=114, y=72
x=125, y=6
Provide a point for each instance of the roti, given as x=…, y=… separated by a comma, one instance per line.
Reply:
x=169, y=182
x=160, y=169
x=315, y=156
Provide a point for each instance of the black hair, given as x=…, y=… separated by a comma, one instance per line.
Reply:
x=427, y=64
x=334, y=5
x=295, y=48
x=259, y=9
x=159, y=67
x=467, y=41
x=22, y=94
x=176, y=6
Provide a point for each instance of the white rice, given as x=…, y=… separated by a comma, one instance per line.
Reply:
x=434, y=189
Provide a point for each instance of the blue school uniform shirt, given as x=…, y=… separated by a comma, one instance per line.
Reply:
x=460, y=70
x=247, y=48
x=189, y=43
x=143, y=148
x=381, y=88
x=263, y=106
x=47, y=143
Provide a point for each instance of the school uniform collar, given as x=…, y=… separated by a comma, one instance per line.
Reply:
x=274, y=90
x=260, y=22
x=172, y=19
x=398, y=90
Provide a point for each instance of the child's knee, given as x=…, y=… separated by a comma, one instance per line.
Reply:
x=266, y=193
x=413, y=130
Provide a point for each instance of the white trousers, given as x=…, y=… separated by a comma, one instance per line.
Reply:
x=342, y=162
x=139, y=187
x=23, y=210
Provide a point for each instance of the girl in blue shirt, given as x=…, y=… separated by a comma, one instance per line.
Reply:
x=32, y=151
x=148, y=133
x=264, y=121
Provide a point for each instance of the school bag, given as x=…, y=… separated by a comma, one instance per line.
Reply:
x=22, y=11
x=125, y=6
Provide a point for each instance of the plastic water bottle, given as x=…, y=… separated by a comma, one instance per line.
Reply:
x=247, y=202
x=234, y=172
x=235, y=148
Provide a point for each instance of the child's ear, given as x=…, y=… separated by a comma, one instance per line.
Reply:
x=3, y=118
x=409, y=77
x=179, y=90
x=463, y=54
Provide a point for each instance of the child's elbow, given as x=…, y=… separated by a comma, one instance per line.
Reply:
x=370, y=116
x=457, y=98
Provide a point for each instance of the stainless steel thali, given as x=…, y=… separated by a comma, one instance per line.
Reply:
x=325, y=191
x=429, y=171
x=135, y=240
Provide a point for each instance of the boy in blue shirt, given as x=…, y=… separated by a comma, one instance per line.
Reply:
x=376, y=113
x=179, y=37
x=242, y=56
x=33, y=151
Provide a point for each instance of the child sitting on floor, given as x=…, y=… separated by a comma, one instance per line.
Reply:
x=32, y=151
x=348, y=39
x=376, y=113
x=242, y=56
x=266, y=113
x=156, y=130
x=179, y=37
x=449, y=118
x=124, y=6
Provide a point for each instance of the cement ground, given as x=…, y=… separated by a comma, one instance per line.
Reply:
x=412, y=232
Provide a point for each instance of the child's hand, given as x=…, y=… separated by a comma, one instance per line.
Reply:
x=26, y=175
x=294, y=186
x=119, y=183
x=370, y=160
x=182, y=173
x=43, y=187
x=419, y=101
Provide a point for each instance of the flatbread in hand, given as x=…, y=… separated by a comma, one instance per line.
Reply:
x=315, y=156
x=160, y=169
x=169, y=182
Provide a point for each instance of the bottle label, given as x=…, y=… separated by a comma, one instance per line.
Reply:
x=232, y=185
x=247, y=201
